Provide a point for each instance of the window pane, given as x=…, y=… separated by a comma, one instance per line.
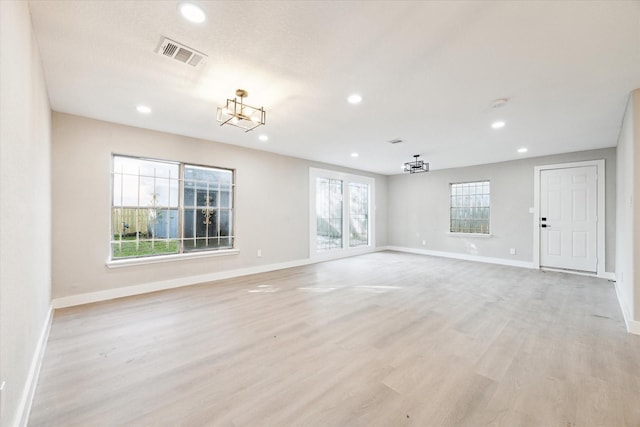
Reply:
x=165, y=193
x=127, y=192
x=135, y=182
x=225, y=223
x=206, y=197
x=164, y=224
x=225, y=197
x=328, y=214
x=147, y=196
x=189, y=194
x=469, y=213
x=207, y=190
x=200, y=223
x=132, y=247
x=358, y=214
x=134, y=232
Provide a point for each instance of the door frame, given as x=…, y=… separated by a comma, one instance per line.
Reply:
x=346, y=250
x=600, y=201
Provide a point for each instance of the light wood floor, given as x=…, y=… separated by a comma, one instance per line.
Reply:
x=385, y=339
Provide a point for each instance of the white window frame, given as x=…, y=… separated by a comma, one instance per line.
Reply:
x=463, y=233
x=346, y=179
x=181, y=255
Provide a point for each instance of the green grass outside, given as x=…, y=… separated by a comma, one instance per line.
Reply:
x=129, y=247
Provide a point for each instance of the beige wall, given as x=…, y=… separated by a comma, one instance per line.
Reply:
x=628, y=221
x=272, y=204
x=419, y=208
x=25, y=206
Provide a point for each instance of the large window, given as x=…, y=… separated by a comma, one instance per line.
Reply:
x=470, y=205
x=328, y=213
x=341, y=207
x=358, y=214
x=161, y=208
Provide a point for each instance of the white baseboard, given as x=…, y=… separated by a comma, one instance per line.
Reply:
x=144, y=288
x=340, y=254
x=128, y=291
x=633, y=326
x=607, y=275
x=489, y=260
x=24, y=406
x=467, y=257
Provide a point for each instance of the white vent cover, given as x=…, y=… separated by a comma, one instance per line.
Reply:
x=180, y=52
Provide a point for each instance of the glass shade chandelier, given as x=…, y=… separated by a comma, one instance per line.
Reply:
x=237, y=113
x=417, y=166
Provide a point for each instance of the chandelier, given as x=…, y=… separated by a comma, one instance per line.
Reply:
x=237, y=113
x=416, y=166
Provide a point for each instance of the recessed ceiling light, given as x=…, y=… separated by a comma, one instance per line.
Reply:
x=263, y=138
x=354, y=154
x=497, y=125
x=522, y=150
x=354, y=99
x=143, y=109
x=192, y=13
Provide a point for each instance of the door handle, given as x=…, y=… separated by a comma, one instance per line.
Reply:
x=544, y=218
x=545, y=226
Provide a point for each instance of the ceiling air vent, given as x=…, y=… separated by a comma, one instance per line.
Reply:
x=180, y=52
x=395, y=141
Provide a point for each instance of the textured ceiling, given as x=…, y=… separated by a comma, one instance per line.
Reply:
x=427, y=72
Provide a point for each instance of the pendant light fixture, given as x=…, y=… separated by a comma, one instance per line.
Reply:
x=417, y=166
x=237, y=113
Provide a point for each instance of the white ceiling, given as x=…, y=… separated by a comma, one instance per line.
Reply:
x=427, y=72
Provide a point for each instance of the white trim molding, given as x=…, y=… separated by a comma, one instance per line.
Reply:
x=347, y=179
x=26, y=400
x=128, y=262
x=609, y=276
x=633, y=326
x=601, y=236
x=127, y=291
x=466, y=257
x=467, y=235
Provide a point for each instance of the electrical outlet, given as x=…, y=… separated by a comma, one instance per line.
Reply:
x=259, y=252
x=512, y=251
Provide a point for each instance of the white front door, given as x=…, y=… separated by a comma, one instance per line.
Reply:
x=568, y=218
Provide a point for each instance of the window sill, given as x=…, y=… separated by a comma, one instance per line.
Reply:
x=481, y=236
x=127, y=262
